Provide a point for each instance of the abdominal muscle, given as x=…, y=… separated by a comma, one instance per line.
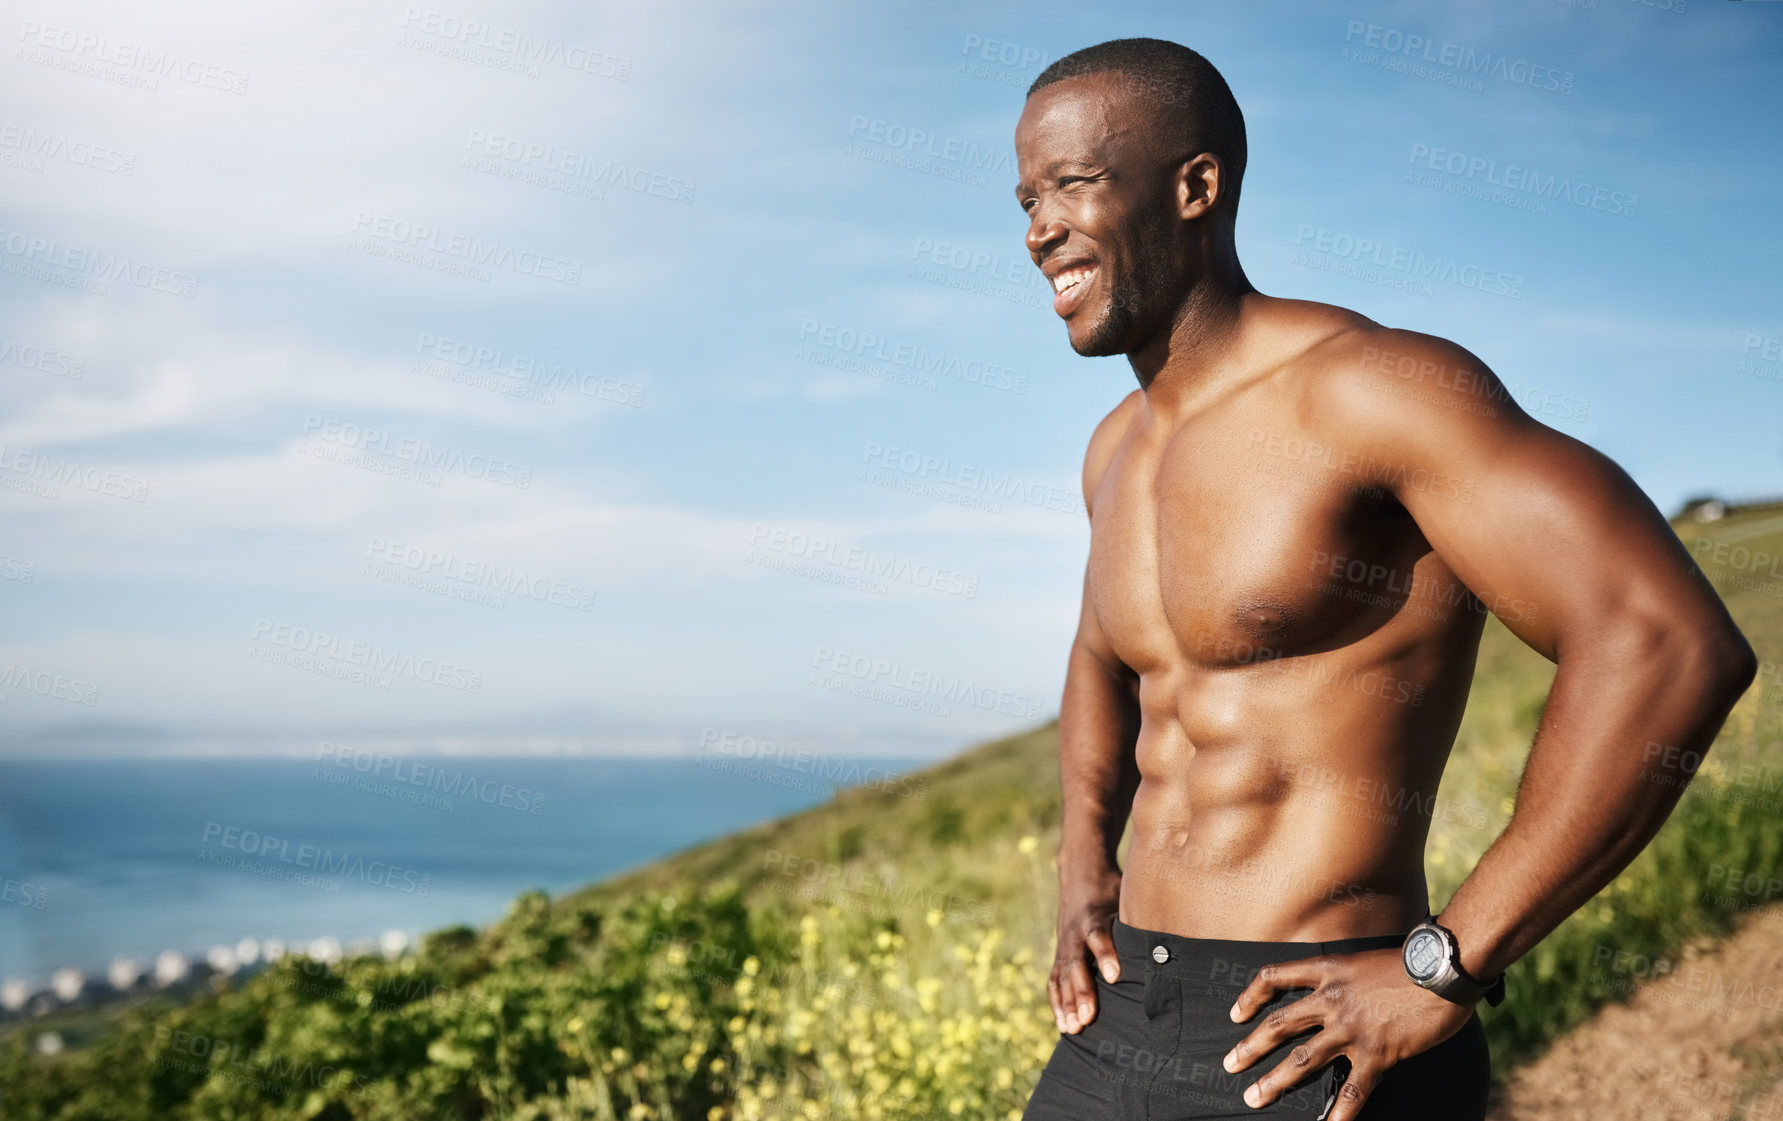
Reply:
x=1294, y=814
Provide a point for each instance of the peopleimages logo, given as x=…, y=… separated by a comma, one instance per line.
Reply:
x=888, y=674
x=570, y=166
x=363, y=656
x=1411, y=265
x=22, y=894
x=950, y=149
x=55, y=686
x=133, y=64
x=474, y=360
x=1010, y=279
x=42, y=469
x=42, y=359
x=23, y=253
x=867, y=564
x=927, y=474
x=1392, y=41
x=432, y=564
x=927, y=364
x=327, y=862
x=35, y=147
x=1008, y=54
x=399, y=776
x=379, y=233
x=420, y=453
x=522, y=50
x=836, y=772
x=1479, y=170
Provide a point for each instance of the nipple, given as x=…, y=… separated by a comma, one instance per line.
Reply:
x=1264, y=619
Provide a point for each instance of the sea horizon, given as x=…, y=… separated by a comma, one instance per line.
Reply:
x=130, y=856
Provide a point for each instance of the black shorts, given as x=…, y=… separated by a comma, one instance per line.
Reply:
x=1155, y=1050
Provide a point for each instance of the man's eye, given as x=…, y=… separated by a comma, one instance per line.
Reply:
x=1029, y=203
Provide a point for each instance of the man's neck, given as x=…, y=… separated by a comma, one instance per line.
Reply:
x=1203, y=336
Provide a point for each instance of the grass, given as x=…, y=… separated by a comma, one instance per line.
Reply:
x=877, y=957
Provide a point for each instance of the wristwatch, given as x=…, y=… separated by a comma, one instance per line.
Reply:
x=1433, y=961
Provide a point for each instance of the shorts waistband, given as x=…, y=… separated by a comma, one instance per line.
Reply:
x=1225, y=961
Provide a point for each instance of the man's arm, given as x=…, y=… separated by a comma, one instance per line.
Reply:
x=1647, y=655
x=1098, y=729
x=1649, y=660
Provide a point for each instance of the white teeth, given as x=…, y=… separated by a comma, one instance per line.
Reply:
x=1071, y=278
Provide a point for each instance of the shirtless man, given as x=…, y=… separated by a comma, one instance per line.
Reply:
x=1297, y=523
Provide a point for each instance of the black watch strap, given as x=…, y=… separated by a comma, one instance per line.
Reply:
x=1493, y=992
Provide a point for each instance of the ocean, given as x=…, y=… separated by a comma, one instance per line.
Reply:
x=101, y=858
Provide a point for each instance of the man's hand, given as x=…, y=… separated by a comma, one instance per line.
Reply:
x=1365, y=1008
x=1088, y=905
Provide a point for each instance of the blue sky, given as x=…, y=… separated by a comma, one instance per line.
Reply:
x=562, y=364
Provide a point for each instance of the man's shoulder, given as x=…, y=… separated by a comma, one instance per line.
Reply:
x=1364, y=376
x=1112, y=427
x=1105, y=439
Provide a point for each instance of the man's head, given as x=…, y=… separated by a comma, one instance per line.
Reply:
x=1130, y=154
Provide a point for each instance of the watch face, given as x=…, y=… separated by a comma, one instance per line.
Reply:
x=1423, y=955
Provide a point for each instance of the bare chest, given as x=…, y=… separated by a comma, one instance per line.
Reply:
x=1209, y=548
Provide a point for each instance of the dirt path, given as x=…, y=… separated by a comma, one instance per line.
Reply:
x=1700, y=1040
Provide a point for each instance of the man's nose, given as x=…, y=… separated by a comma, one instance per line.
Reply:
x=1044, y=235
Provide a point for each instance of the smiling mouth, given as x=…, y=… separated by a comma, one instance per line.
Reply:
x=1069, y=287
x=1071, y=278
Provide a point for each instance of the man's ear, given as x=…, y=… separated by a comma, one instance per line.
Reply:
x=1200, y=185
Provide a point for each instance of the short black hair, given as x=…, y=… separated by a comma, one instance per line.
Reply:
x=1190, y=98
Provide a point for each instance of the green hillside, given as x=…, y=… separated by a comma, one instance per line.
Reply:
x=880, y=956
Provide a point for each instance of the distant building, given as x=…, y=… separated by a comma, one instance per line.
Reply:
x=171, y=968
x=1708, y=508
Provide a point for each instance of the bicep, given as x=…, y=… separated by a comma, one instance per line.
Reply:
x=1090, y=636
x=1103, y=445
x=1552, y=536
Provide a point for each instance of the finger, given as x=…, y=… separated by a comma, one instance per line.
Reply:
x=1286, y=1022
x=1273, y=978
x=1353, y=1093
x=1053, y=994
x=1064, y=999
x=1067, y=1005
x=1102, y=946
x=1300, y=1064
x=1079, y=1014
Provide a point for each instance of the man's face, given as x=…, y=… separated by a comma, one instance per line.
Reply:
x=1101, y=207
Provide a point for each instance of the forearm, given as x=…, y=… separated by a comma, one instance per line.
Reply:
x=1604, y=773
x=1098, y=728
